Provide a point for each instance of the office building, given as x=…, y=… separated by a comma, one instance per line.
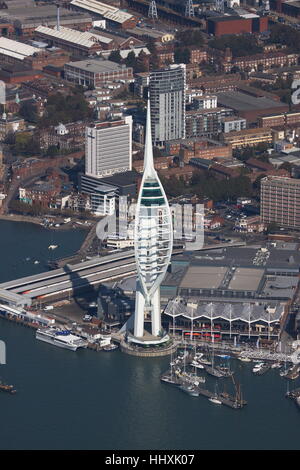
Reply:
x=109, y=148
x=167, y=101
x=96, y=72
x=280, y=201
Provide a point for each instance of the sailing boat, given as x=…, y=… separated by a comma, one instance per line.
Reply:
x=215, y=372
x=215, y=398
x=225, y=369
x=195, y=363
x=284, y=372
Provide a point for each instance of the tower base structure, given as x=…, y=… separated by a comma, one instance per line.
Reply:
x=148, y=346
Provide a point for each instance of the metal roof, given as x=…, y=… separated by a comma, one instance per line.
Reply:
x=16, y=49
x=107, y=11
x=246, y=312
x=71, y=35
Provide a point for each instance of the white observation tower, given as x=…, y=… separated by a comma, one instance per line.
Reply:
x=153, y=247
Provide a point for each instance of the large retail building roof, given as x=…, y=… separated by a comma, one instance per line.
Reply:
x=246, y=312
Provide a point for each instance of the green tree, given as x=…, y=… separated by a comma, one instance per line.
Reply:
x=286, y=166
x=63, y=109
x=272, y=227
x=182, y=55
x=28, y=111
x=52, y=151
x=240, y=45
x=115, y=56
x=190, y=37
x=130, y=60
x=287, y=35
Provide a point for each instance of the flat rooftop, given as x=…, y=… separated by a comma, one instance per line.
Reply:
x=244, y=102
x=44, y=12
x=96, y=65
x=280, y=258
x=246, y=279
x=203, y=277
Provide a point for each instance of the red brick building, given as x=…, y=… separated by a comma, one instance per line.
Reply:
x=276, y=120
x=222, y=25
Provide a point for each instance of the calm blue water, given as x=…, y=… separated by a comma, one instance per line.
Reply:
x=88, y=400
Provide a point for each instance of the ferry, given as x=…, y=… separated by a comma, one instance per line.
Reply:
x=61, y=338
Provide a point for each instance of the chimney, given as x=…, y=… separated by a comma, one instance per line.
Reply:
x=57, y=23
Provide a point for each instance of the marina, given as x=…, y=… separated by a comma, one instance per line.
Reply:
x=190, y=382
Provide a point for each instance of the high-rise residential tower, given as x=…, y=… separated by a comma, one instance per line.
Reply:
x=109, y=148
x=153, y=244
x=167, y=101
x=280, y=201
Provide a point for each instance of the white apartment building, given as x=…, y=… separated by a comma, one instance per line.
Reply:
x=109, y=148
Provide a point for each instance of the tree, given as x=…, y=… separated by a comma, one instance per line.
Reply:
x=52, y=151
x=130, y=60
x=151, y=46
x=63, y=109
x=240, y=45
x=156, y=152
x=115, y=56
x=283, y=34
x=286, y=166
x=272, y=227
x=190, y=37
x=28, y=111
x=182, y=56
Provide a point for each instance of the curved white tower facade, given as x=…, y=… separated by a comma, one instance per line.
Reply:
x=153, y=242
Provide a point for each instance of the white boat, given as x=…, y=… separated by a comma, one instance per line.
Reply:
x=190, y=390
x=36, y=262
x=276, y=365
x=52, y=247
x=60, y=337
x=110, y=347
x=197, y=364
x=205, y=361
x=192, y=378
x=199, y=355
x=258, y=367
x=215, y=400
x=244, y=359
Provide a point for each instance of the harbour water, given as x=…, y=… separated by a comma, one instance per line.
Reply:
x=89, y=400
